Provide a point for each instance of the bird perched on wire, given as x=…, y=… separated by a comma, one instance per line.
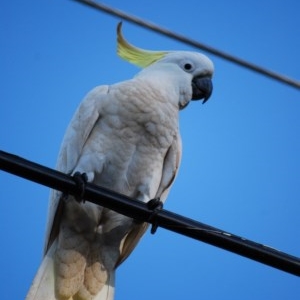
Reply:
x=124, y=137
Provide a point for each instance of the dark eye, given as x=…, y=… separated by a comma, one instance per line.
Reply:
x=187, y=67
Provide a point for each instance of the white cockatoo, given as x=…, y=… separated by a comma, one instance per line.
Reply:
x=124, y=137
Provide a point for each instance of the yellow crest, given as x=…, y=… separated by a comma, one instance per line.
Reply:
x=137, y=56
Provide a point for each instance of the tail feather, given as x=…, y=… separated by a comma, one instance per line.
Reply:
x=42, y=287
x=108, y=290
x=43, y=284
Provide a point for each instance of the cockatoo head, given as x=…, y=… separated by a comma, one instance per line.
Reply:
x=195, y=66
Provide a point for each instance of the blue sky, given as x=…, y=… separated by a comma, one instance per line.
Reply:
x=241, y=164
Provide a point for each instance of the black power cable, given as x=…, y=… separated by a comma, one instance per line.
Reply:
x=141, y=212
x=191, y=42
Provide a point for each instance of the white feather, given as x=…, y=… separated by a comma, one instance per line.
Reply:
x=42, y=285
x=125, y=137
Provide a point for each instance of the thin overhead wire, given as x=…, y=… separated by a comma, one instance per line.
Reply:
x=146, y=24
x=141, y=212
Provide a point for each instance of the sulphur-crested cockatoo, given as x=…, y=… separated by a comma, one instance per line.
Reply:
x=124, y=137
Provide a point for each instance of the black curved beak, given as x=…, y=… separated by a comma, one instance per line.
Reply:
x=202, y=88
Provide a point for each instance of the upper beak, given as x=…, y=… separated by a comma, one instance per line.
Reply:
x=202, y=88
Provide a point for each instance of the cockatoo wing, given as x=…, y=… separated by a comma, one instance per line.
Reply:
x=170, y=168
x=76, y=135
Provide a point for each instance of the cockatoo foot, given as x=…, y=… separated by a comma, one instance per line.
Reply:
x=155, y=205
x=81, y=179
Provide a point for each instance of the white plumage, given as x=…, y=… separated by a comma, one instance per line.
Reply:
x=124, y=137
